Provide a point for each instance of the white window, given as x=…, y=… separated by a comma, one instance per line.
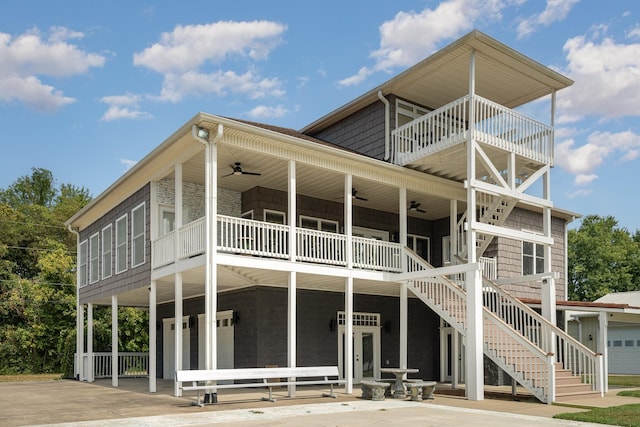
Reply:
x=107, y=244
x=137, y=236
x=420, y=245
x=370, y=233
x=121, y=244
x=274, y=217
x=247, y=215
x=406, y=112
x=83, y=259
x=167, y=220
x=446, y=250
x=313, y=223
x=532, y=258
x=94, y=258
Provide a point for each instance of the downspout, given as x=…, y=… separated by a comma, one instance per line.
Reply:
x=385, y=101
x=79, y=317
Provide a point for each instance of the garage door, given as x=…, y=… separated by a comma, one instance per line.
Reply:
x=224, y=321
x=624, y=350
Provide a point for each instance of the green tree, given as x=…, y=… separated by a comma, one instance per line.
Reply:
x=602, y=258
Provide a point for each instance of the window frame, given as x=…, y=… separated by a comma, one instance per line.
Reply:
x=94, y=259
x=320, y=222
x=412, y=246
x=107, y=252
x=83, y=267
x=141, y=235
x=122, y=245
x=265, y=212
x=535, y=267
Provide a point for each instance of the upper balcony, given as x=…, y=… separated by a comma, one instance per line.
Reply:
x=443, y=131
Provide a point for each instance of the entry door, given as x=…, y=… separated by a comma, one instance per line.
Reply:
x=366, y=353
x=168, y=347
x=451, y=354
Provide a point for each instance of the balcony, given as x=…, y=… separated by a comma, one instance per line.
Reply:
x=500, y=130
x=249, y=237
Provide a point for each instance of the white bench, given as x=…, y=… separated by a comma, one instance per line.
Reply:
x=258, y=377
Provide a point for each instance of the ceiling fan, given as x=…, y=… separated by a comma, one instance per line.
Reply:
x=415, y=206
x=237, y=170
x=354, y=195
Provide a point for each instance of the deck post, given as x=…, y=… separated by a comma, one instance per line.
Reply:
x=152, y=336
x=114, y=340
x=291, y=332
x=603, y=332
x=90, y=369
x=178, y=331
x=348, y=333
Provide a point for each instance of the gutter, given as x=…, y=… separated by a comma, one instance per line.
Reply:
x=385, y=101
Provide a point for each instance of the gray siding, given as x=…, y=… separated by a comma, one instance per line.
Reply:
x=132, y=278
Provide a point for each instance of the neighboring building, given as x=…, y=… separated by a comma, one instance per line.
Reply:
x=287, y=241
x=614, y=319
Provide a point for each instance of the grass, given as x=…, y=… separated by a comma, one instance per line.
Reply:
x=625, y=415
x=29, y=377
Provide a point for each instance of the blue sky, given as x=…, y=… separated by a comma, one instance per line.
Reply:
x=88, y=88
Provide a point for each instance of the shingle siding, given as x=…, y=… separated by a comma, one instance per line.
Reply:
x=132, y=278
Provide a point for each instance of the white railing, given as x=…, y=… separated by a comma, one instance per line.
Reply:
x=321, y=247
x=131, y=364
x=192, y=238
x=375, y=254
x=573, y=355
x=489, y=267
x=245, y=236
x=494, y=124
x=163, y=250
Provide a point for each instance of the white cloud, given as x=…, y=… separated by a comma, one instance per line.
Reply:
x=556, y=10
x=582, y=161
x=182, y=54
x=123, y=107
x=410, y=36
x=579, y=193
x=635, y=32
x=263, y=111
x=29, y=56
x=128, y=164
x=606, y=75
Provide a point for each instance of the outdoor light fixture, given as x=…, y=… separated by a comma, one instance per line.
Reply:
x=332, y=324
x=590, y=337
x=235, y=317
x=203, y=133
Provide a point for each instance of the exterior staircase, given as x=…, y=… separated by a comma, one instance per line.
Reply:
x=538, y=355
x=492, y=210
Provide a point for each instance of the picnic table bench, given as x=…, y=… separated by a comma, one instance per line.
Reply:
x=257, y=377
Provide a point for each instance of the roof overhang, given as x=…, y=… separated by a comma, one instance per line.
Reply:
x=503, y=75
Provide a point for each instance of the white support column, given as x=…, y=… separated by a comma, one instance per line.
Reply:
x=292, y=211
x=455, y=358
x=79, y=338
x=549, y=309
x=348, y=219
x=402, y=215
x=404, y=298
x=178, y=330
x=177, y=207
x=153, y=289
x=474, y=372
x=603, y=336
x=291, y=330
x=90, y=368
x=348, y=334
x=114, y=340
x=453, y=230
x=211, y=281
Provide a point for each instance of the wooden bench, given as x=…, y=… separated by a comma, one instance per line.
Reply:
x=373, y=390
x=419, y=387
x=257, y=377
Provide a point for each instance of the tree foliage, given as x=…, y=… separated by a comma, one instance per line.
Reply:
x=37, y=280
x=603, y=258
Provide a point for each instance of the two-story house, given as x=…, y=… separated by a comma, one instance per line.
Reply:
x=412, y=219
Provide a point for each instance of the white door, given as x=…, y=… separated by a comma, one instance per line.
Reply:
x=451, y=354
x=168, y=347
x=224, y=322
x=366, y=353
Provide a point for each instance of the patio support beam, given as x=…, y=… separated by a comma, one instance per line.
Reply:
x=177, y=207
x=348, y=334
x=348, y=219
x=291, y=330
x=79, y=340
x=152, y=336
x=178, y=330
x=90, y=370
x=114, y=340
x=404, y=299
x=453, y=230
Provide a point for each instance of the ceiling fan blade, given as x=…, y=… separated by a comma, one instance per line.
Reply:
x=251, y=173
x=361, y=198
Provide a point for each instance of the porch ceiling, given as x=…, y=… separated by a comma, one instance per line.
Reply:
x=231, y=278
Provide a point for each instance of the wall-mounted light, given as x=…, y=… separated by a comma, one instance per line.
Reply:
x=332, y=324
x=192, y=322
x=387, y=326
x=590, y=337
x=235, y=317
x=203, y=133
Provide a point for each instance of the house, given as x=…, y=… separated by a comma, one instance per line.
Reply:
x=613, y=319
x=411, y=219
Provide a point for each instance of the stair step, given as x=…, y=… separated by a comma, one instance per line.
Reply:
x=570, y=397
x=573, y=388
